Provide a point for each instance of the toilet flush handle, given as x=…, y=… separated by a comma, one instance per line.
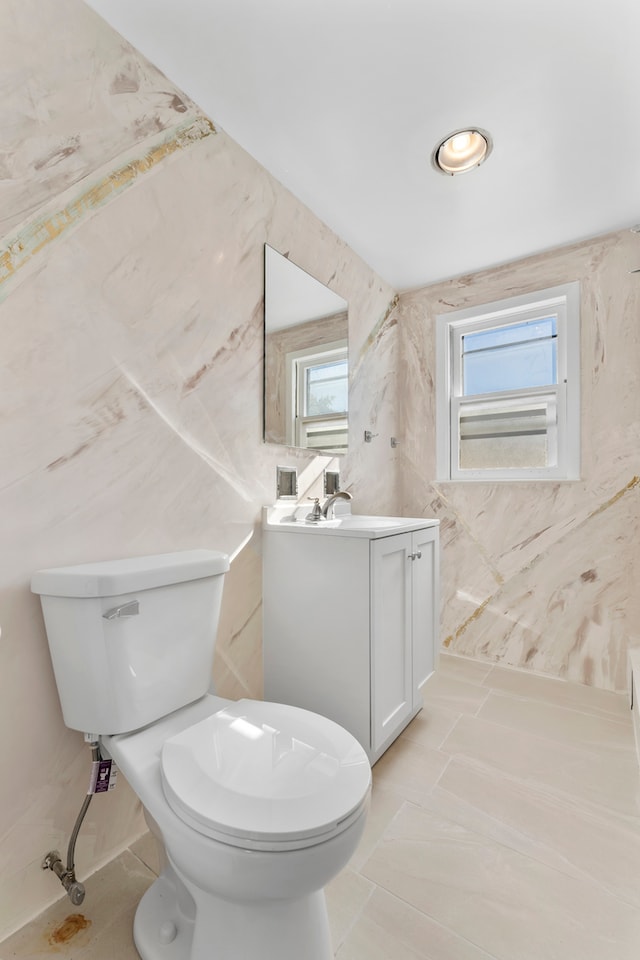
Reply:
x=129, y=609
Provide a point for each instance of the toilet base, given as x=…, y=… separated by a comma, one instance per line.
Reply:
x=160, y=927
x=174, y=924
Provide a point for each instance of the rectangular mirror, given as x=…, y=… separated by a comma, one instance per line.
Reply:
x=306, y=362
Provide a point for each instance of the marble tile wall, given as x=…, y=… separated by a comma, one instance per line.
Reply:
x=543, y=575
x=131, y=299
x=131, y=284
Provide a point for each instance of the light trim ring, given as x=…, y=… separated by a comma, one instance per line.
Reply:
x=461, y=151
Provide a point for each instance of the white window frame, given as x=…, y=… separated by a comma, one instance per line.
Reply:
x=295, y=363
x=563, y=302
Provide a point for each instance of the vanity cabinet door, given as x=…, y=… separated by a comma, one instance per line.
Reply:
x=391, y=627
x=350, y=627
x=424, y=607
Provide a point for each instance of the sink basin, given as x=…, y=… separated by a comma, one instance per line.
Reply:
x=353, y=521
x=344, y=525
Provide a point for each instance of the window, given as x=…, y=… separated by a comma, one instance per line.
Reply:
x=319, y=392
x=507, y=388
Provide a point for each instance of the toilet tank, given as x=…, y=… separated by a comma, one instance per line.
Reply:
x=131, y=640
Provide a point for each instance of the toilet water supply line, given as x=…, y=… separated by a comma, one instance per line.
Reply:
x=102, y=779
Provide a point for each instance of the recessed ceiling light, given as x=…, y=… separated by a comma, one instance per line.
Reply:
x=461, y=151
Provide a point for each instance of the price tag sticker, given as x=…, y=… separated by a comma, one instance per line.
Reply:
x=103, y=776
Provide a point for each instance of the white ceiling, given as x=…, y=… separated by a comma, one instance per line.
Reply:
x=343, y=101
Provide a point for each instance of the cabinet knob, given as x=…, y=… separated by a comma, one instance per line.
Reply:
x=416, y=555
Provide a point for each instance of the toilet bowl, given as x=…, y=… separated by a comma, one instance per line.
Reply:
x=257, y=805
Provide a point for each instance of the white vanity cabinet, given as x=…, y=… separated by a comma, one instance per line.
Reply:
x=350, y=623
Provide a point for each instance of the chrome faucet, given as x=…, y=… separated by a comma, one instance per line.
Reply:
x=327, y=506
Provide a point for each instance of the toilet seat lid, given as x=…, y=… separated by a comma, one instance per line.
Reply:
x=259, y=771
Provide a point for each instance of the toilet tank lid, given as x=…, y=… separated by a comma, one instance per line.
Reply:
x=111, y=578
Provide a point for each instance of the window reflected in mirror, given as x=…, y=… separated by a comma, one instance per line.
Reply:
x=306, y=389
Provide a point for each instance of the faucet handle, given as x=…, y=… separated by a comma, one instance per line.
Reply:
x=316, y=512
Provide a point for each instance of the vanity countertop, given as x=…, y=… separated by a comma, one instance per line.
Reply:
x=291, y=519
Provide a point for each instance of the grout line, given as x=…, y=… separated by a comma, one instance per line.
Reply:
x=543, y=699
x=481, y=705
x=406, y=733
x=607, y=717
x=481, y=953
x=552, y=791
x=374, y=886
x=144, y=863
x=574, y=872
x=388, y=825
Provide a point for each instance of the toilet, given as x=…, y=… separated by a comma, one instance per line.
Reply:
x=257, y=805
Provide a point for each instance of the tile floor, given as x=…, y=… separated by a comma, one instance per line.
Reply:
x=505, y=823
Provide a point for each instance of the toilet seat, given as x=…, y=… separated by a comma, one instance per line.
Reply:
x=266, y=776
